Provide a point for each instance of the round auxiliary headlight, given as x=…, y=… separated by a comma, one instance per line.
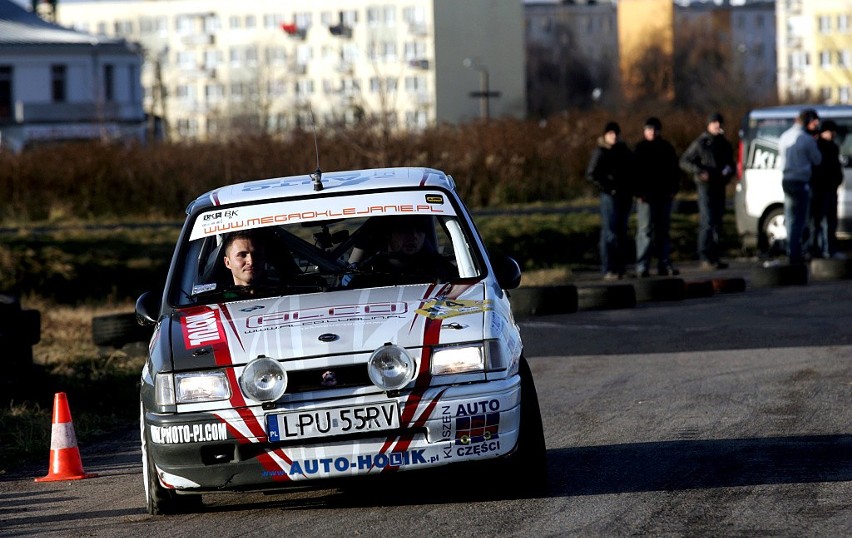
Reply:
x=264, y=380
x=390, y=367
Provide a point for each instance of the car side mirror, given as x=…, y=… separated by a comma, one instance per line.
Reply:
x=507, y=271
x=148, y=308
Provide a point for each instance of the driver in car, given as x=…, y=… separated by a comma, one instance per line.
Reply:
x=245, y=258
x=406, y=252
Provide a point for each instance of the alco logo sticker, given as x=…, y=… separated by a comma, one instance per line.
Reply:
x=447, y=308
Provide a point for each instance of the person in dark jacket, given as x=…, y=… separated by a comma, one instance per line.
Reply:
x=609, y=170
x=658, y=180
x=826, y=177
x=710, y=161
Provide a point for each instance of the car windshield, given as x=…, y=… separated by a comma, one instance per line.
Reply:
x=283, y=248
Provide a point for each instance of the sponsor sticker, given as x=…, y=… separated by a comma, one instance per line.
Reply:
x=201, y=328
x=442, y=308
x=188, y=433
x=364, y=462
x=217, y=221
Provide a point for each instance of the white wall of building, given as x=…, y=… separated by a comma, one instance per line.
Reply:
x=212, y=51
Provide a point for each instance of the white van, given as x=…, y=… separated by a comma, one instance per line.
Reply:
x=759, y=199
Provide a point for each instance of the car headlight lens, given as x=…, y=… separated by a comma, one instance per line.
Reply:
x=390, y=367
x=264, y=380
x=195, y=387
x=457, y=360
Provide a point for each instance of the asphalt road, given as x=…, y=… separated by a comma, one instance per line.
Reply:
x=724, y=416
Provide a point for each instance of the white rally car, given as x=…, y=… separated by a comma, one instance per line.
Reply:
x=345, y=355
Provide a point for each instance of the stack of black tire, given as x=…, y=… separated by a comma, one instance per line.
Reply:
x=117, y=330
x=20, y=330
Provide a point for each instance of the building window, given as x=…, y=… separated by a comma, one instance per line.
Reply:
x=304, y=87
x=184, y=24
x=187, y=127
x=251, y=56
x=234, y=22
x=214, y=93
x=5, y=92
x=251, y=22
x=825, y=59
x=843, y=23
x=212, y=24
x=59, y=83
x=109, y=83
x=186, y=60
x=843, y=95
x=824, y=24
x=844, y=58
x=825, y=94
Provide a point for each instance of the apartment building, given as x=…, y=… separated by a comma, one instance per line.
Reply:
x=611, y=41
x=815, y=50
x=216, y=67
x=572, y=54
x=59, y=85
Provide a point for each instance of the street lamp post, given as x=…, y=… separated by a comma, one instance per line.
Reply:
x=484, y=94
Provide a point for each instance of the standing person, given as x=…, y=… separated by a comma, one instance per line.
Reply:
x=658, y=179
x=609, y=169
x=825, y=180
x=798, y=154
x=710, y=161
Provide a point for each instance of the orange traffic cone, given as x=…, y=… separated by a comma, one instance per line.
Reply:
x=65, y=462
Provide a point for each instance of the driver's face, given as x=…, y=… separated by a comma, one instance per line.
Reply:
x=245, y=261
x=408, y=241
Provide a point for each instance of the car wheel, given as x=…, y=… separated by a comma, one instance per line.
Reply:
x=773, y=232
x=524, y=472
x=159, y=500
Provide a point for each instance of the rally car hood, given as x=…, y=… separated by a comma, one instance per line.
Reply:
x=325, y=324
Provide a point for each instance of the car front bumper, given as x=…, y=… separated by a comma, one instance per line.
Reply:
x=229, y=449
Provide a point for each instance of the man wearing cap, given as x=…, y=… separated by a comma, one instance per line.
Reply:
x=609, y=170
x=657, y=182
x=710, y=161
x=797, y=155
x=825, y=180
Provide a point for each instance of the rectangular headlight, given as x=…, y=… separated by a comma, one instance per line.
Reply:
x=457, y=360
x=195, y=387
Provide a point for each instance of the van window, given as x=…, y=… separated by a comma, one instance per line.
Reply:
x=760, y=141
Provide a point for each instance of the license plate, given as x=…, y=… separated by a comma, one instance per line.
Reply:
x=333, y=421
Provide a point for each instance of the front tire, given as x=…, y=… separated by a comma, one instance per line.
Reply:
x=524, y=472
x=159, y=500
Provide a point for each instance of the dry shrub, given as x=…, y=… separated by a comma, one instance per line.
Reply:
x=504, y=161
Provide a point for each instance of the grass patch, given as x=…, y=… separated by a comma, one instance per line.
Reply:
x=101, y=384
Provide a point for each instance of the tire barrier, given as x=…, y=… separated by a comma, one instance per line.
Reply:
x=831, y=269
x=20, y=330
x=116, y=330
x=729, y=285
x=543, y=300
x=660, y=289
x=779, y=275
x=606, y=297
x=698, y=289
